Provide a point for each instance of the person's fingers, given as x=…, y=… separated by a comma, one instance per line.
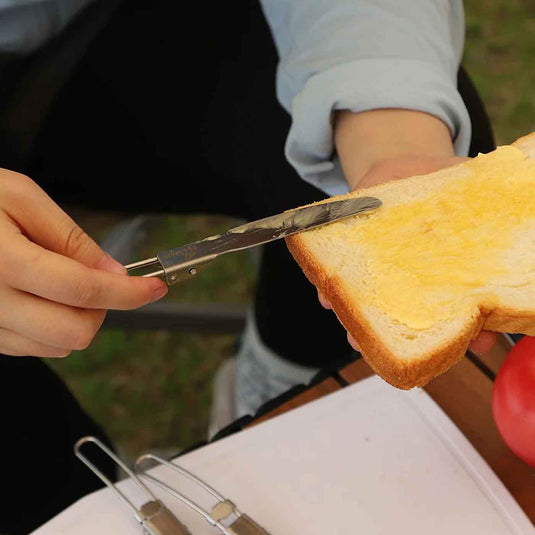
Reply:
x=323, y=301
x=483, y=342
x=353, y=342
x=30, y=268
x=47, y=224
x=327, y=305
x=55, y=281
x=47, y=322
x=16, y=345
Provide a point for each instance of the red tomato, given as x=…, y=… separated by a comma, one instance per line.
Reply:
x=513, y=400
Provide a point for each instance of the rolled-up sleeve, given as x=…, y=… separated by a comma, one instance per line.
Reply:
x=362, y=55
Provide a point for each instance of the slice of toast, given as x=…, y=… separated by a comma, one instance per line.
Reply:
x=446, y=255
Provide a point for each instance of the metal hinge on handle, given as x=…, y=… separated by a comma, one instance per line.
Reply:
x=223, y=515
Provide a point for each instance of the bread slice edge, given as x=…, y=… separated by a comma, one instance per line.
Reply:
x=399, y=373
x=421, y=369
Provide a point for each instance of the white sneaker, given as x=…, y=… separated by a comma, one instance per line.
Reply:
x=255, y=376
x=222, y=412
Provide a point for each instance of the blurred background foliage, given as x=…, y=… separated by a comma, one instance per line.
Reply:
x=499, y=56
x=152, y=389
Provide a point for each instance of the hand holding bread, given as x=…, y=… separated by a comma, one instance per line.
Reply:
x=449, y=253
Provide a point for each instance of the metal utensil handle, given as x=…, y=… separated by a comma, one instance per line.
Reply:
x=224, y=510
x=103, y=477
x=172, y=491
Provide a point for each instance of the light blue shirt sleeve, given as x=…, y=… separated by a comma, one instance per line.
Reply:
x=361, y=55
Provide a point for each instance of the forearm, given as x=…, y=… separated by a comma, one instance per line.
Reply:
x=359, y=55
x=410, y=138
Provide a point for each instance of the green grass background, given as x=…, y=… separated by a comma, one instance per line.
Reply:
x=153, y=389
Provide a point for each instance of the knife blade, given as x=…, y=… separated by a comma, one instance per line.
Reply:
x=184, y=262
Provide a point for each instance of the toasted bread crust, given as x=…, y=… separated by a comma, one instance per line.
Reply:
x=375, y=353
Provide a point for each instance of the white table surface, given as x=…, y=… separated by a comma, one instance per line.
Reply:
x=367, y=459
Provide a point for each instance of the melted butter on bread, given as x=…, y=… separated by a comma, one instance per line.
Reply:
x=432, y=258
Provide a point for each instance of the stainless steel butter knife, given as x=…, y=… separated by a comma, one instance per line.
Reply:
x=182, y=263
